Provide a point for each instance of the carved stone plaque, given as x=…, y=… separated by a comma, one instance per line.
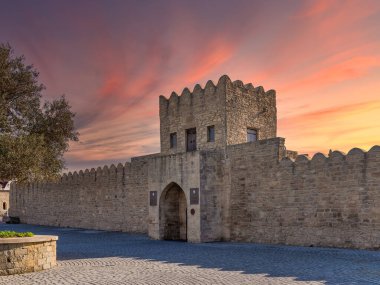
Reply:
x=194, y=196
x=153, y=198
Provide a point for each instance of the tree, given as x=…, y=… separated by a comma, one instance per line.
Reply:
x=33, y=136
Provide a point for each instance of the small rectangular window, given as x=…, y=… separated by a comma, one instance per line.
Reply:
x=173, y=140
x=191, y=139
x=211, y=133
x=251, y=135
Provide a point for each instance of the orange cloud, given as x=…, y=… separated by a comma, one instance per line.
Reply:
x=340, y=127
x=316, y=32
x=351, y=68
x=112, y=62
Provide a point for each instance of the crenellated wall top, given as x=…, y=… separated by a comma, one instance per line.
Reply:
x=210, y=88
x=355, y=155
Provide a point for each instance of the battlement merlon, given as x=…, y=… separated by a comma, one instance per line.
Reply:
x=230, y=107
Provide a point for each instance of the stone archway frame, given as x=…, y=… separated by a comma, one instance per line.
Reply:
x=173, y=213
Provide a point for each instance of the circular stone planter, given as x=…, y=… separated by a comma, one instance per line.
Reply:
x=27, y=254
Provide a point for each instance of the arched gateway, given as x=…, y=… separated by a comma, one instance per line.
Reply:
x=173, y=213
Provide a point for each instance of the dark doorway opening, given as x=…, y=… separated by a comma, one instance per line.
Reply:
x=173, y=213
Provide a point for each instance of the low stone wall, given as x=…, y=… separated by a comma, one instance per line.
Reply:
x=27, y=254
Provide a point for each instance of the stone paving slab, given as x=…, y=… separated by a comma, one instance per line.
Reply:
x=100, y=257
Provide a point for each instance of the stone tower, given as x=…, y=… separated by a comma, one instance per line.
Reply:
x=216, y=116
x=188, y=180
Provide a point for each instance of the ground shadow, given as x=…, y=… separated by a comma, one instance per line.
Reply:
x=331, y=266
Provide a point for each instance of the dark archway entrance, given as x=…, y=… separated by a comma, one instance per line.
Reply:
x=173, y=213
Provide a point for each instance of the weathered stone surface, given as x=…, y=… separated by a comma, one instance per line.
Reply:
x=324, y=202
x=110, y=199
x=30, y=254
x=256, y=192
x=231, y=107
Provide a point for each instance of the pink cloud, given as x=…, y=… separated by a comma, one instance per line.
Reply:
x=113, y=61
x=347, y=69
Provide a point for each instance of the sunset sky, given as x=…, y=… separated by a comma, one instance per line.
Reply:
x=113, y=59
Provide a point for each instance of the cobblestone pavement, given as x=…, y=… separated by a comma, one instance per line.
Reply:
x=99, y=257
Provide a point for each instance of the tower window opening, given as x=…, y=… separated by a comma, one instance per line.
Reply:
x=251, y=135
x=211, y=133
x=173, y=140
x=191, y=139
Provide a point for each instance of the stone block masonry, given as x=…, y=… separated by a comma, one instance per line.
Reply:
x=325, y=201
x=108, y=198
x=250, y=193
x=248, y=188
x=29, y=254
x=230, y=107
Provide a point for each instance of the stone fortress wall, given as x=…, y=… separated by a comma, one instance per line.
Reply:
x=324, y=201
x=108, y=198
x=252, y=192
x=258, y=193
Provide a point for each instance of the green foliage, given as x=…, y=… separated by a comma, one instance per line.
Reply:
x=33, y=136
x=11, y=234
